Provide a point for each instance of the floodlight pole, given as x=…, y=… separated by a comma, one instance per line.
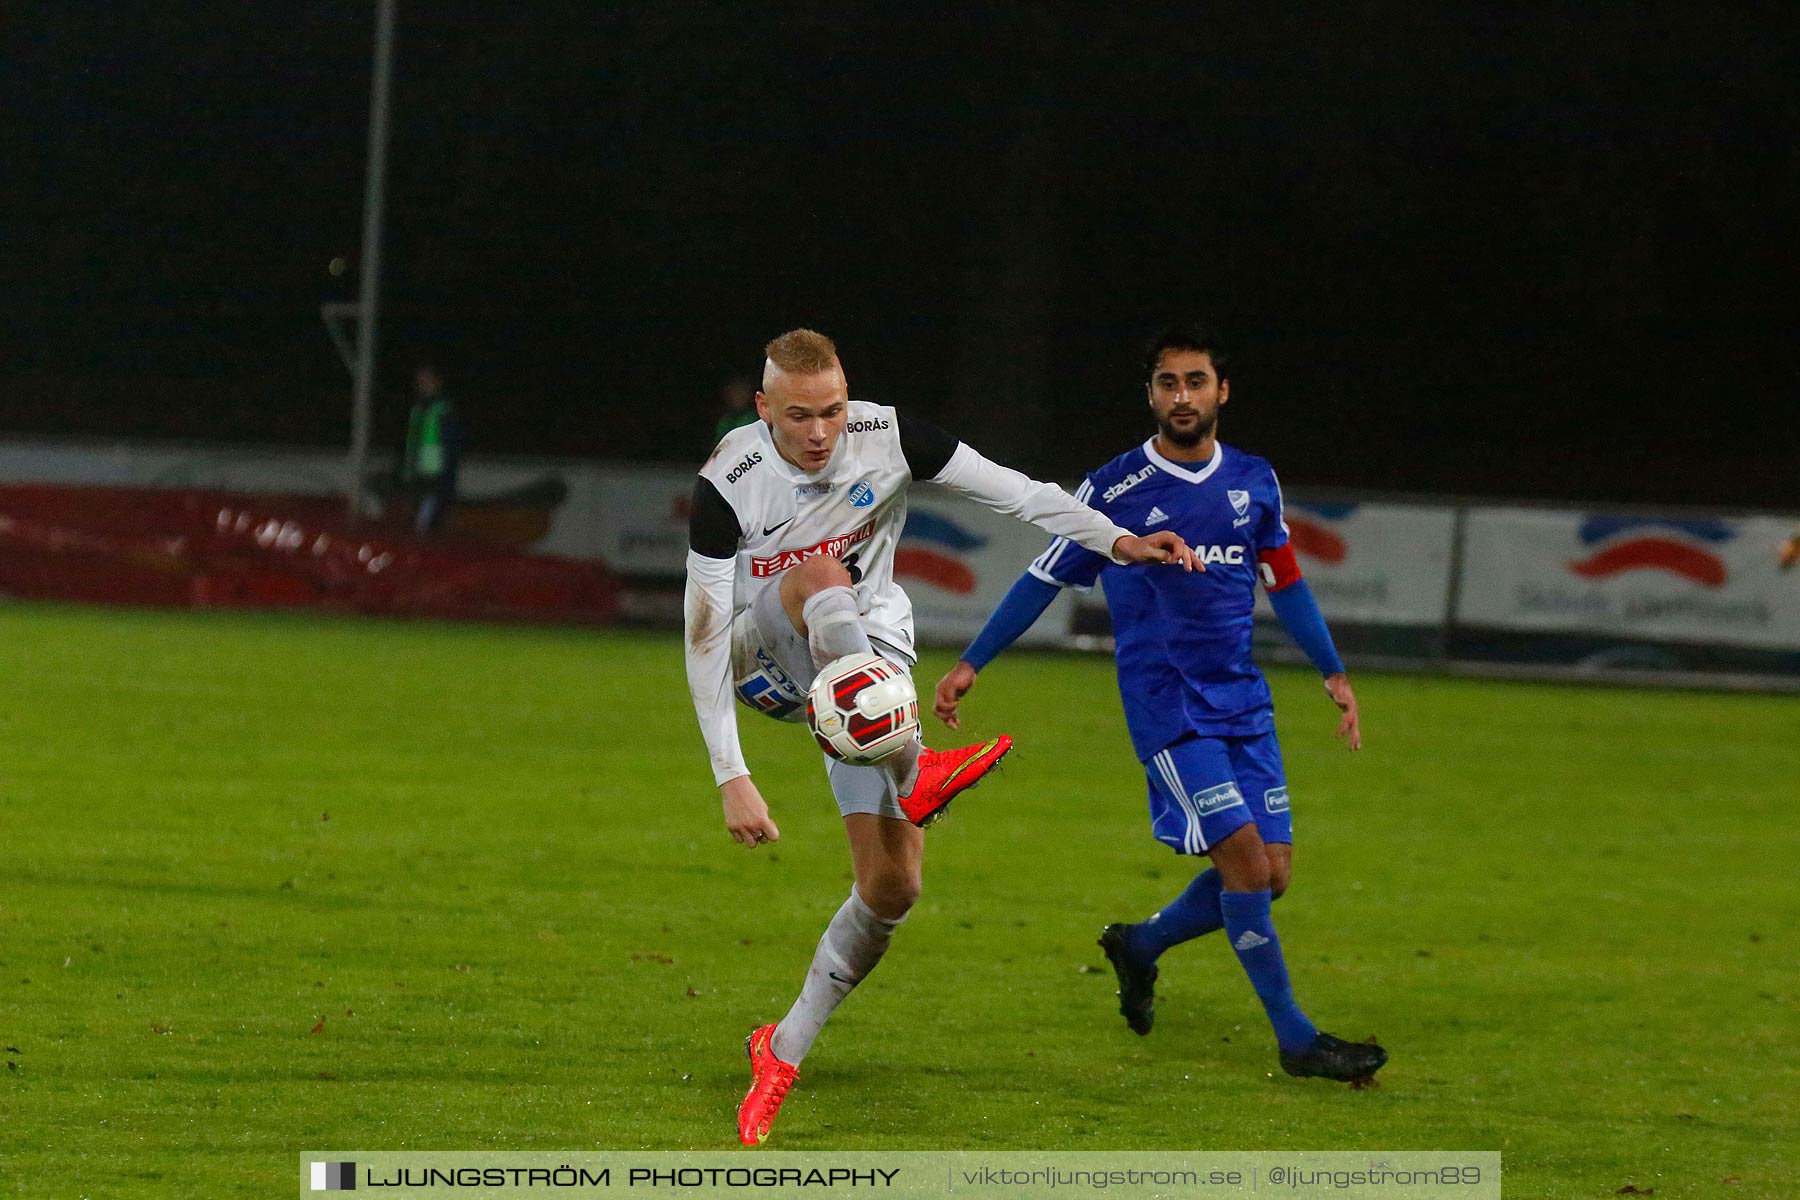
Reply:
x=362, y=412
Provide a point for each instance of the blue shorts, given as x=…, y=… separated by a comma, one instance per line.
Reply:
x=1204, y=789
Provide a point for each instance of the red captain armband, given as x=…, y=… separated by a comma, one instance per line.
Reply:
x=1277, y=568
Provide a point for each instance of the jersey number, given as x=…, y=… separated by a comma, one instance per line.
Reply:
x=855, y=571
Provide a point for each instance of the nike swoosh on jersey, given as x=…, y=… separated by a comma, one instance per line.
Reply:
x=773, y=528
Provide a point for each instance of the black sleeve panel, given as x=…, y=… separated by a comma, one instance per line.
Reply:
x=926, y=447
x=712, y=526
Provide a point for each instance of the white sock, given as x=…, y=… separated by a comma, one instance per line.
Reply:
x=853, y=943
x=834, y=627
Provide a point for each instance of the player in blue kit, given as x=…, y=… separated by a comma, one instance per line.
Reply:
x=1200, y=715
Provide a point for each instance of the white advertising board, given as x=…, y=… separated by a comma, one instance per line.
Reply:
x=1677, y=579
x=641, y=526
x=1378, y=564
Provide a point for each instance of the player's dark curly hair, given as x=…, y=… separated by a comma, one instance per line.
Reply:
x=1188, y=335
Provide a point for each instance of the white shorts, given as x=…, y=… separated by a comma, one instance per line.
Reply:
x=771, y=670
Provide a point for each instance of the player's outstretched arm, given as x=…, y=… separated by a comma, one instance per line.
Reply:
x=1015, y=494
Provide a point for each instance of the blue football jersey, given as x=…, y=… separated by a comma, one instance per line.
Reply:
x=1183, y=638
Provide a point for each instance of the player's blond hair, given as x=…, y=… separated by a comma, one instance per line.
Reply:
x=802, y=352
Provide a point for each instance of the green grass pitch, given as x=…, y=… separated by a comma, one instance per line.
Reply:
x=270, y=883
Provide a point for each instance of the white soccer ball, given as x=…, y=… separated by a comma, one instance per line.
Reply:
x=862, y=708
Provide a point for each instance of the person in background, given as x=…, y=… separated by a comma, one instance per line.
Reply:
x=737, y=406
x=433, y=455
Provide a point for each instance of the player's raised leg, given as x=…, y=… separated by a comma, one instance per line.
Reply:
x=819, y=598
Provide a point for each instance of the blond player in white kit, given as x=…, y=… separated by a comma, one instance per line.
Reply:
x=790, y=566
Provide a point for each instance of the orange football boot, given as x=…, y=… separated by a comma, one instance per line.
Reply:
x=946, y=774
x=770, y=1079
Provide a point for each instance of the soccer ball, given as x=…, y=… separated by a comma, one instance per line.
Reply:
x=862, y=708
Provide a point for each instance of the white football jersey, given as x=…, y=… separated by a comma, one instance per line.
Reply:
x=854, y=510
x=756, y=516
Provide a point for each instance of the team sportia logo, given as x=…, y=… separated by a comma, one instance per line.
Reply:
x=832, y=547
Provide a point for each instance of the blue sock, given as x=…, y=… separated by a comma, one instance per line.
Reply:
x=1194, y=912
x=1252, y=934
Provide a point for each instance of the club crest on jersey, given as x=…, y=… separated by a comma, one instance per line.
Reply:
x=862, y=495
x=1240, y=501
x=832, y=547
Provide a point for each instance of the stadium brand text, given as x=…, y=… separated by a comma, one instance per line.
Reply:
x=1126, y=484
x=867, y=426
x=832, y=547
x=736, y=473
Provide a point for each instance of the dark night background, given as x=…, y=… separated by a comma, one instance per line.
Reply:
x=1461, y=251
